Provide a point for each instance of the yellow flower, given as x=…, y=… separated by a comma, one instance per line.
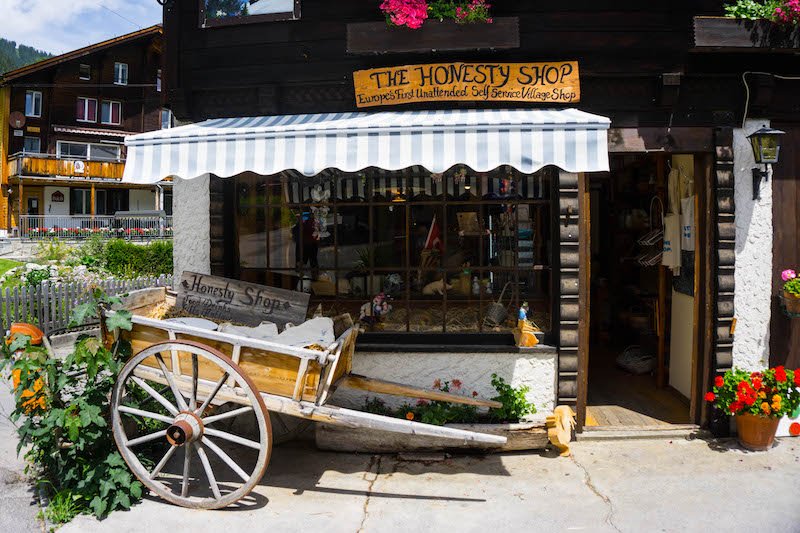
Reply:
x=776, y=398
x=762, y=395
x=765, y=407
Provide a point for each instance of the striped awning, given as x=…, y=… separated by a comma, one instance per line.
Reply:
x=527, y=139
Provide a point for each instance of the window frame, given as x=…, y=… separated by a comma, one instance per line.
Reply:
x=33, y=97
x=111, y=104
x=86, y=101
x=38, y=140
x=83, y=77
x=89, y=157
x=248, y=19
x=543, y=265
x=121, y=66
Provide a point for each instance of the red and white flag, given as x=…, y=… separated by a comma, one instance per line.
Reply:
x=434, y=240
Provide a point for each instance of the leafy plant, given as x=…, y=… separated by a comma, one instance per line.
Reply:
x=36, y=277
x=63, y=411
x=791, y=282
x=52, y=250
x=753, y=9
x=771, y=393
x=515, y=404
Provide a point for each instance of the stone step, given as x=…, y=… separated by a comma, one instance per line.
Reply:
x=642, y=432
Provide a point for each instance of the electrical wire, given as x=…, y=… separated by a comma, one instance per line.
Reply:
x=747, y=88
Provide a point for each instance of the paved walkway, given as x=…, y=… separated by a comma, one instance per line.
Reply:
x=18, y=507
x=606, y=486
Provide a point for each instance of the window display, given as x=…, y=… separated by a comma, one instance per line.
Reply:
x=437, y=252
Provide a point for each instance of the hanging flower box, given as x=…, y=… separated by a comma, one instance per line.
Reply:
x=725, y=32
x=433, y=35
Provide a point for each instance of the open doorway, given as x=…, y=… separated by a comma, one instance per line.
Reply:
x=643, y=321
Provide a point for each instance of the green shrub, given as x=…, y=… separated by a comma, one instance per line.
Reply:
x=52, y=250
x=64, y=425
x=126, y=259
x=515, y=405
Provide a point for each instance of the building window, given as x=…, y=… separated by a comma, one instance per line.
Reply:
x=442, y=247
x=166, y=119
x=120, y=74
x=86, y=110
x=33, y=145
x=94, y=152
x=85, y=72
x=80, y=202
x=33, y=104
x=111, y=112
x=216, y=13
x=158, y=80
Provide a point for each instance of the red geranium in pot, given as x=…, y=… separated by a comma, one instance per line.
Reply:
x=758, y=400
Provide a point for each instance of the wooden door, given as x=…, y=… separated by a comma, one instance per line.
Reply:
x=785, y=332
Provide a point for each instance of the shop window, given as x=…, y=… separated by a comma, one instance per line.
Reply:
x=120, y=74
x=33, y=104
x=230, y=12
x=86, y=110
x=33, y=145
x=442, y=247
x=85, y=72
x=111, y=113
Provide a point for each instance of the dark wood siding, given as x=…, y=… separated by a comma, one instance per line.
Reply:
x=623, y=48
x=785, y=332
x=61, y=86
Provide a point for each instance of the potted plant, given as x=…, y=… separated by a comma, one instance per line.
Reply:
x=758, y=400
x=791, y=292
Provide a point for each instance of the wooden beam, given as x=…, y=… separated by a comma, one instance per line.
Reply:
x=584, y=295
x=91, y=201
x=639, y=140
x=355, y=381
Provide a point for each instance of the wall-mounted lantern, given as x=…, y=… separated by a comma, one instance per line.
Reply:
x=766, y=144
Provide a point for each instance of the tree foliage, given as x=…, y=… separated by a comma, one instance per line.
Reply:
x=13, y=56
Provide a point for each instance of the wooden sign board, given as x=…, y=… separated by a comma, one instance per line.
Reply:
x=550, y=83
x=239, y=301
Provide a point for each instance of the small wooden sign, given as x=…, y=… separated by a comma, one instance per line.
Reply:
x=239, y=301
x=552, y=83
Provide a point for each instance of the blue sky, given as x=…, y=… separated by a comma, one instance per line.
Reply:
x=58, y=26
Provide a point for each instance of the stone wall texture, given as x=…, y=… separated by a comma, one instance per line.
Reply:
x=191, y=226
x=753, y=256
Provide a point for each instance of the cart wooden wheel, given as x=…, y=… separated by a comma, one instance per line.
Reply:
x=195, y=464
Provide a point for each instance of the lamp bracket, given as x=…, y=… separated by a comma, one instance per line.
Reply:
x=759, y=175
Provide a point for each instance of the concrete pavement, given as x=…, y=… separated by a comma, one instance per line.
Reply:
x=18, y=506
x=654, y=485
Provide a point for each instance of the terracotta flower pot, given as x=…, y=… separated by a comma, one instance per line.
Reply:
x=756, y=433
x=792, y=302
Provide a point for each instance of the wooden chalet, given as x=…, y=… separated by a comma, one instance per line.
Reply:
x=64, y=120
x=314, y=155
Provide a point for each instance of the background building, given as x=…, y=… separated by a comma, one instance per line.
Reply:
x=63, y=124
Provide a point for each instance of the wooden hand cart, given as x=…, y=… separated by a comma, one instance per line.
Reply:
x=182, y=381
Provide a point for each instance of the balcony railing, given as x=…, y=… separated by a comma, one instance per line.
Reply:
x=36, y=227
x=51, y=165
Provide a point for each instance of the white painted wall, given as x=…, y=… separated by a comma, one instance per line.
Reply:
x=192, y=226
x=141, y=200
x=753, y=257
x=535, y=368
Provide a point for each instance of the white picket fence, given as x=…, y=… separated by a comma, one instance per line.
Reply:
x=50, y=305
